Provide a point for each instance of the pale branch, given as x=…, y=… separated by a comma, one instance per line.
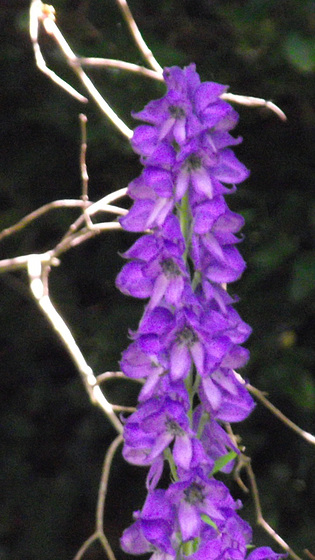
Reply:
x=18, y=263
x=245, y=462
x=40, y=212
x=98, y=534
x=120, y=65
x=53, y=30
x=250, y=101
x=247, y=100
x=121, y=408
x=259, y=516
x=73, y=240
x=141, y=44
x=102, y=204
x=38, y=11
x=46, y=15
x=260, y=396
x=84, y=171
x=86, y=545
x=38, y=271
x=104, y=483
x=67, y=243
x=116, y=375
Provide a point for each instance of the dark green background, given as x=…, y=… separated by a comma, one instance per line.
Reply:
x=52, y=440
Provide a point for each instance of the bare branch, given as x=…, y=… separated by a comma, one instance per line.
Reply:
x=84, y=171
x=104, y=483
x=121, y=65
x=302, y=433
x=46, y=15
x=38, y=13
x=38, y=271
x=98, y=534
x=39, y=212
x=254, y=102
x=259, y=517
x=74, y=62
x=134, y=30
x=86, y=545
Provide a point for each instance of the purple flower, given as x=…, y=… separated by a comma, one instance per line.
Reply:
x=157, y=268
x=153, y=427
x=227, y=544
x=153, y=527
x=265, y=553
x=188, y=343
x=198, y=496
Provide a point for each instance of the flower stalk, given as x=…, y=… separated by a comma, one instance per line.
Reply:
x=189, y=341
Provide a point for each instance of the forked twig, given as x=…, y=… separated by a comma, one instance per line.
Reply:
x=99, y=535
x=40, y=212
x=302, y=433
x=141, y=44
x=259, y=516
x=39, y=12
x=121, y=65
x=245, y=462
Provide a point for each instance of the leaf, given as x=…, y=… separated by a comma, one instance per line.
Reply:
x=222, y=461
x=209, y=521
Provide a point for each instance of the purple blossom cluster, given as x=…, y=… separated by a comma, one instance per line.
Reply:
x=188, y=344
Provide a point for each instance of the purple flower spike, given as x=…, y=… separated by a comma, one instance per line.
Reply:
x=187, y=347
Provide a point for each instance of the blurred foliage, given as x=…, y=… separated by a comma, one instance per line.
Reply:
x=52, y=440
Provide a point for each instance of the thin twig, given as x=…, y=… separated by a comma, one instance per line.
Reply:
x=83, y=168
x=39, y=212
x=254, y=102
x=141, y=44
x=116, y=375
x=259, y=517
x=102, y=204
x=46, y=15
x=38, y=271
x=104, y=483
x=302, y=433
x=98, y=534
x=121, y=65
x=86, y=545
x=73, y=61
x=37, y=13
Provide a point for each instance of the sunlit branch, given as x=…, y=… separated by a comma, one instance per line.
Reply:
x=245, y=462
x=254, y=102
x=102, y=204
x=141, y=44
x=40, y=212
x=86, y=545
x=302, y=433
x=38, y=12
x=99, y=535
x=53, y=30
x=259, y=516
x=84, y=171
x=104, y=483
x=38, y=271
x=121, y=65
